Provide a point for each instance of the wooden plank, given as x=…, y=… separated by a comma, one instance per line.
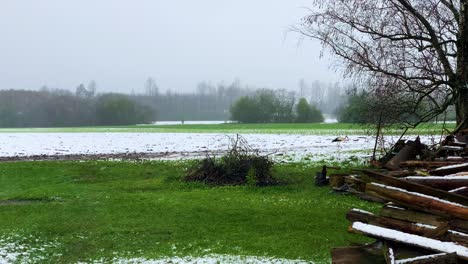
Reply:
x=356, y=215
x=415, y=187
x=442, y=258
x=429, y=164
x=440, y=182
x=424, y=218
x=460, y=191
x=417, y=201
x=445, y=170
x=413, y=216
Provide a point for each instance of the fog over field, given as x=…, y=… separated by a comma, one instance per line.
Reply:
x=119, y=44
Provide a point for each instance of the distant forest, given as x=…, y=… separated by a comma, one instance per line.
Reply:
x=86, y=107
x=213, y=102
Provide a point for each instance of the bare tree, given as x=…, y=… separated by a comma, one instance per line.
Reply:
x=413, y=53
x=91, y=88
x=151, y=88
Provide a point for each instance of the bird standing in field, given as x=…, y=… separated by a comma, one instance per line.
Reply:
x=340, y=139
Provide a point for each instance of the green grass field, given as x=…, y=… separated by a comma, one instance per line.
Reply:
x=84, y=211
x=306, y=129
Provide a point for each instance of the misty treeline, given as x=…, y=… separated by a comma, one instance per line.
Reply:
x=59, y=108
x=213, y=101
x=84, y=106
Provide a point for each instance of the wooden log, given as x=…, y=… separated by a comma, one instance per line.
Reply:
x=415, y=187
x=460, y=191
x=424, y=218
x=399, y=174
x=412, y=216
x=440, y=182
x=409, y=239
x=357, y=254
x=356, y=215
x=454, y=236
x=445, y=170
x=441, y=231
x=429, y=164
x=419, y=201
x=441, y=258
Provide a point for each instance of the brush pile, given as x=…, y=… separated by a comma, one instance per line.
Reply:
x=425, y=214
x=241, y=165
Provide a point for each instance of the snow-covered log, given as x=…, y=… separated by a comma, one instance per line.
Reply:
x=418, y=201
x=409, y=239
x=445, y=170
x=415, y=187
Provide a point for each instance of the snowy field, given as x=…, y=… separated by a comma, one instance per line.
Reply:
x=183, y=145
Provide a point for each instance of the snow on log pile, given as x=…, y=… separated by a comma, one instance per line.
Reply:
x=424, y=218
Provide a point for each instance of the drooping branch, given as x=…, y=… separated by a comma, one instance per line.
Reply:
x=407, y=48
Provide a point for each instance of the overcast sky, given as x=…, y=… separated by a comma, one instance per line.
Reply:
x=120, y=43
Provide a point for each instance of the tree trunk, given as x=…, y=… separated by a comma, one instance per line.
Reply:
x=461, y=104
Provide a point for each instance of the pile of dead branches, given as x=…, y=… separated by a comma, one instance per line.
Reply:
x=241, y=165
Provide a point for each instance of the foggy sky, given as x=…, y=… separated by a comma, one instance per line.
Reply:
x=120, y=43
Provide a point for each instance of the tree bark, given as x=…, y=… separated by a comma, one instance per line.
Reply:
x=461, y=103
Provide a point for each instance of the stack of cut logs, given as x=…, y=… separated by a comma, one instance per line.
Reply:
x=425, y=214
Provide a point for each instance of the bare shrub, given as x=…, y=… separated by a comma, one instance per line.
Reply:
x=241, y=165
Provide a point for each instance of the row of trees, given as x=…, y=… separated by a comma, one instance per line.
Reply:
x=56, y=108
x=213, y=102
x=267, y=106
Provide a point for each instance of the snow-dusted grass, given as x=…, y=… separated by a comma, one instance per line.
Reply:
x=126, y=211
x=25, y=249
x=283, y=147
x=209, y=259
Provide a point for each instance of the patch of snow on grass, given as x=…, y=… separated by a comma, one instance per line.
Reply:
x=210, y=259
x=13, y=251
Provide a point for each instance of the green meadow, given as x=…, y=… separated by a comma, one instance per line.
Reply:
x=289, y=128
x=69, y=212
